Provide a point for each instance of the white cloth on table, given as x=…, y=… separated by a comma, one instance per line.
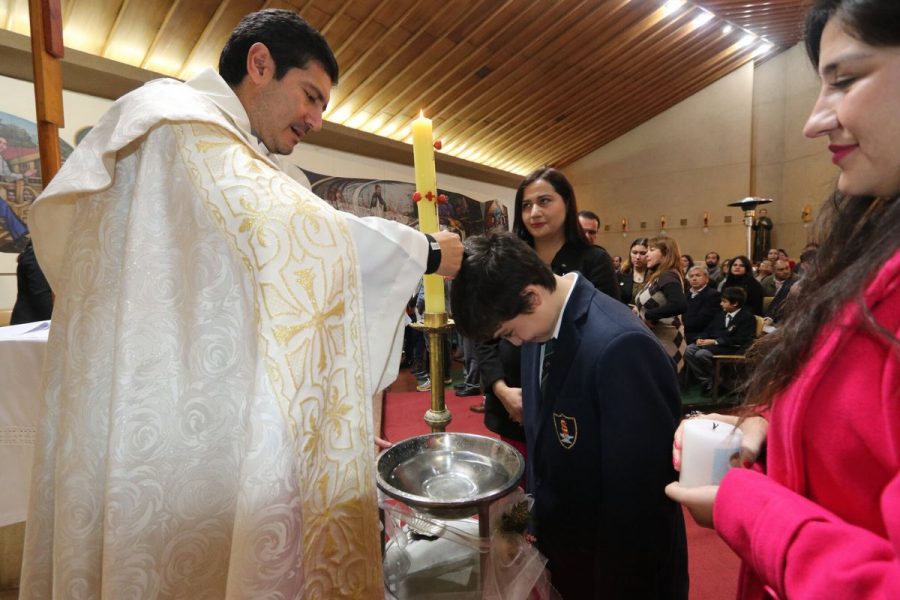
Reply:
x=21, y=359
x=218, y=335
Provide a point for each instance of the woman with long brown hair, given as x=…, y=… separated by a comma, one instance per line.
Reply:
x=661, y=301
x=823, y=519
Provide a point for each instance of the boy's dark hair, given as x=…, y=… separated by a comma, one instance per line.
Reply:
x=291, y=41
x=735, y=295
x=496, y=268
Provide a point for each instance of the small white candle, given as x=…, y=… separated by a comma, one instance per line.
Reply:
x=708, y=449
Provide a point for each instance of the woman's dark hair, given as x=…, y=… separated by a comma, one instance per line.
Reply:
x=867, y=224
x=875, y=22
x=291, y=41
x=742, y=279
x=690, y=261
x=571, y=226
x=625, y=269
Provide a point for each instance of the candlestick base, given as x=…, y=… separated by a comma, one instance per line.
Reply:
x=436, y=326
x=438, y=420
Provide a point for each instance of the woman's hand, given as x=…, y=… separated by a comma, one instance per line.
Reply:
x=511, y=398
x=754, y=429
x=698, y=500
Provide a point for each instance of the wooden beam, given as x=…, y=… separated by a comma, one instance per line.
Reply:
x=46, y=51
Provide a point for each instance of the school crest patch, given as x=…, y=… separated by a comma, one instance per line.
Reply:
x=566, y=430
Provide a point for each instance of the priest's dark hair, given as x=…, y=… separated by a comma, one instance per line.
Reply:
x=496, y=269
x=571, y=226
x=291, y=40
x=868, y=224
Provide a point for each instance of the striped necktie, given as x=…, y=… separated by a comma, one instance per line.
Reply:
x=545, y=364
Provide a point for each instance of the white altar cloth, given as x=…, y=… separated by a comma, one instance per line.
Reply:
x=21, y=361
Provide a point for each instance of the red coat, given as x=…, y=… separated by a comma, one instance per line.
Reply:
x=825, y=520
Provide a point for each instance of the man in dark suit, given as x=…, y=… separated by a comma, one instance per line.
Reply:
x=784, y=279
x=732, y=330
x=702, y=303
x=600, y=404
x=34, y=301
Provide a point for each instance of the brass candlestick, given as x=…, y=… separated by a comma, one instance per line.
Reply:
x=436, y=326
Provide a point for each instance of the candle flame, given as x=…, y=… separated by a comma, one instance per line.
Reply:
x=421, y=113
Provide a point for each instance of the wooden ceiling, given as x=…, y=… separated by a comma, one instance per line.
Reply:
x=511, y=84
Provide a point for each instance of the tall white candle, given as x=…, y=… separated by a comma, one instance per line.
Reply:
x=426, y=185
x=708, y=449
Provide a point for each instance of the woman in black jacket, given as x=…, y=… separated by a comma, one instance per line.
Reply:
x=546, y=217
x=740, y=274
x=633, y=272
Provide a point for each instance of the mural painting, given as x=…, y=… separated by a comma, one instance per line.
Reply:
x=393, y=200
x=20, y=178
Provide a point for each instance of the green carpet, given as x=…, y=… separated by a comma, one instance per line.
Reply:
x=691, y=399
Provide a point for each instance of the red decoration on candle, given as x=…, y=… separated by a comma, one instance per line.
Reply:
x=437, y=144
x=430, y=195
x=417, y=196
x=442, y=199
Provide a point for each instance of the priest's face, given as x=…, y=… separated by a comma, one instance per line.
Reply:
x=286, y=109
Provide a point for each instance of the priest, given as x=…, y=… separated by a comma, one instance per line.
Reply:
x=218, y=335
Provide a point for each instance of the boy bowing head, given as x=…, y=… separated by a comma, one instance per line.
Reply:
x=600, y=405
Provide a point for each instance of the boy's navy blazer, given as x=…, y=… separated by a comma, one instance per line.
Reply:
x=734, y=338
x=598, y=480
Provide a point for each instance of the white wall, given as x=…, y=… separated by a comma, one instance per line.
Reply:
x=740, y=136
x=82, y=111
x=692, y=159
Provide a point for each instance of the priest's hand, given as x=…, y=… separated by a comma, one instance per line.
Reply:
x=451, y=253
x=381, y=444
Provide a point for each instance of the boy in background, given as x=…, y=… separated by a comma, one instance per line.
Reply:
x=730, y=332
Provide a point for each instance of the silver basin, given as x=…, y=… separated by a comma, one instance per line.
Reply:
x=449, y=475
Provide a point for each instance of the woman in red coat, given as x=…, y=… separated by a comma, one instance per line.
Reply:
x=821, y=517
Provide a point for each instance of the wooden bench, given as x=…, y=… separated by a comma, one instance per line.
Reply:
x=723, y=359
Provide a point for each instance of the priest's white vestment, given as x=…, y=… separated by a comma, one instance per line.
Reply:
x=218, y=334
